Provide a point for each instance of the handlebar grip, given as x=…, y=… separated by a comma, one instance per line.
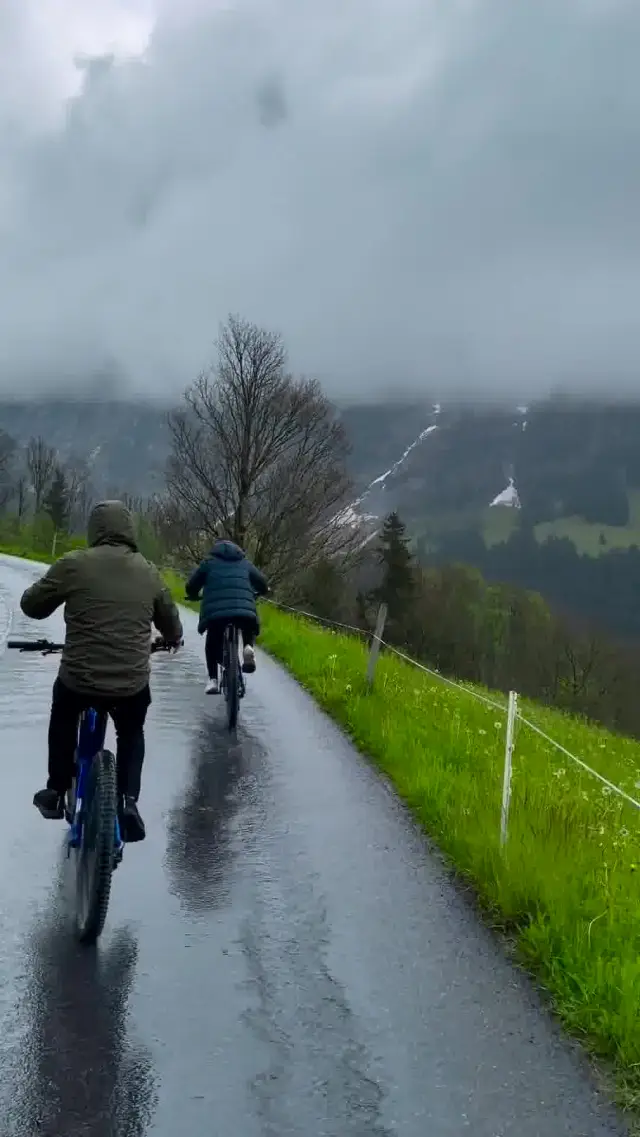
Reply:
x=163, y=645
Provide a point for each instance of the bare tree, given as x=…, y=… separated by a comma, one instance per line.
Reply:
x=21, y=497
x=40, y=462
x=56, y=503
x=258, y=456
x=179, y=531
x=80, y=492
x=7, y=456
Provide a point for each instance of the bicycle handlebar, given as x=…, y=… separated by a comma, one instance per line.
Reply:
x=47, y=647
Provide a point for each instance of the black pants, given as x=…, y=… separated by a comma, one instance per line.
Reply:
x=128, y=714
x=214, y=641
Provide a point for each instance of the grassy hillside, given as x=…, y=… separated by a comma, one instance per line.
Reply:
x=588, y=537
x=499, y=523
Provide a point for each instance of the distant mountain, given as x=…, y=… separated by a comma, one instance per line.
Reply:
x=494, y=468
x=573, y=469
x=126, y=443
x=480, y=485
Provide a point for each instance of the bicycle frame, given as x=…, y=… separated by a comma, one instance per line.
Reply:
x=91, y=736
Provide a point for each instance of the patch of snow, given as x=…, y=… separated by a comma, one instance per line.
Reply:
x=353, y=514
x=380, y=481
x=350, y=516
x=509, y=497
x=368, y=539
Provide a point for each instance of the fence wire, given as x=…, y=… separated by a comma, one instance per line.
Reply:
x=573, y=757
x=401, y=655
x=496, y=706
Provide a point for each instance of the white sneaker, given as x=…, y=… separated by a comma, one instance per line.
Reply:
x=212, y=687
x=248, y=660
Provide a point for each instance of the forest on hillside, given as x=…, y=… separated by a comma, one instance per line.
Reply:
x=603, y=591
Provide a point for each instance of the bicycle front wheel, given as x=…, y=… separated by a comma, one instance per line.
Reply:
x=232, y=689
x=95, y=856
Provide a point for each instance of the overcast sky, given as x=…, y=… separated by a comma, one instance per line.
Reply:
x=425, y=194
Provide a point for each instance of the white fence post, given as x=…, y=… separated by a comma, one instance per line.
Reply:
x=375, y=644
x=508, y=759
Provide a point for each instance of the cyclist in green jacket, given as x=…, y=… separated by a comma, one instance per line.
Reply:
x=112, y=597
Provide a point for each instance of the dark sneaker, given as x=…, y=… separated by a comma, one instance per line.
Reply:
x=50, y=803
x=131, y=824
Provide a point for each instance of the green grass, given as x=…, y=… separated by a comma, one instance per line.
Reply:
x=23, y=547
x=567, y=889
x=19, y=549
x=586, y=535
x=499, y=524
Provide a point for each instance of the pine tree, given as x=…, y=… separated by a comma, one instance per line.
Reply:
x=56, y=503
x=398, y=586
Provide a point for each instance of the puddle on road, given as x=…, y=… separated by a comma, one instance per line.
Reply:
x=201, y=832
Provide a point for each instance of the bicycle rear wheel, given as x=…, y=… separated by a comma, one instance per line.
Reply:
x=232, y=690
x=95, y=857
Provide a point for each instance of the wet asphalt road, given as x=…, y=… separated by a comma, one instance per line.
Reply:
x=282, y=955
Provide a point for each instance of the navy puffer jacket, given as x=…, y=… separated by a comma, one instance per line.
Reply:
x=229, y=584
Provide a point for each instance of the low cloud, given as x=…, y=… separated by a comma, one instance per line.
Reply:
x=421, y=197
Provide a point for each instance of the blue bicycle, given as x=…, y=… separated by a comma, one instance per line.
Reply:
x=91, y=810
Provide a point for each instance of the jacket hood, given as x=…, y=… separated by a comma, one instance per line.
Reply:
x=111, y=523
x=227, y=551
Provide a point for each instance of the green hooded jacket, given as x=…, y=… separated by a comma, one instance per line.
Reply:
x=112, y=596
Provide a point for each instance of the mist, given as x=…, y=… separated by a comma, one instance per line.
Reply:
x=421, y=197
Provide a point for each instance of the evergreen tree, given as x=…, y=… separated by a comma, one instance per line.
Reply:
x=398, y=586
x=56, y=503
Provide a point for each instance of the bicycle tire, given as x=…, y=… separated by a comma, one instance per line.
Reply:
x=232, y=688
x=95, y=857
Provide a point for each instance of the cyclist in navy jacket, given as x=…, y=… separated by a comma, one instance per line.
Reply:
x=229, y=584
